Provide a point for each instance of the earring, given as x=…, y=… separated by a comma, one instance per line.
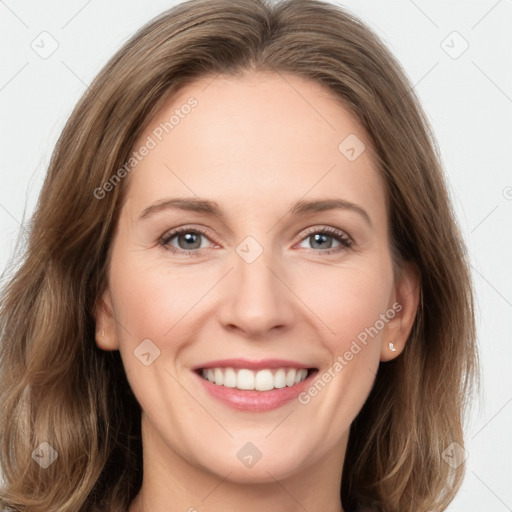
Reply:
x=392, y=347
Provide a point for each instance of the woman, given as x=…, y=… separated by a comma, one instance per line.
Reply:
x=244, y=285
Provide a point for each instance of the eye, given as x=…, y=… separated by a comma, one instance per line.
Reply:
x=188, y=241
x=324, y=239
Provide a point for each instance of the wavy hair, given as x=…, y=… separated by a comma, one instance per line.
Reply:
x=58, y=387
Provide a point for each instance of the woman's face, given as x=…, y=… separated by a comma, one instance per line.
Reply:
x=282, y=271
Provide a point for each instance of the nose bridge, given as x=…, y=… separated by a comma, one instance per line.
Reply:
x=256, y=300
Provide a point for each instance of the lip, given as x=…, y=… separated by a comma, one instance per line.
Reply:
x=252, y=400
x=252, y=365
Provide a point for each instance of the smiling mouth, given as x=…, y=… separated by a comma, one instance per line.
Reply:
x=265, y=379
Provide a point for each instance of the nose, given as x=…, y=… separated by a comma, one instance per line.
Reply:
x=256, y=299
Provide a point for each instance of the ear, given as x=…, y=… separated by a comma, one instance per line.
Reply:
x=106, y=332
x=404, y=304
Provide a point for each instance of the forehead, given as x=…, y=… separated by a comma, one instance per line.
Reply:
x=255, y=141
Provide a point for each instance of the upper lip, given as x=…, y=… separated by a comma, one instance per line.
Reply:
x=252, y=364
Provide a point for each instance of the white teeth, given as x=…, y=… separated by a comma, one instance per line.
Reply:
x=280, y=378
x=262, y=380
x=290, y=377
x=245, y=379
x=229, y=378
x=219, y=376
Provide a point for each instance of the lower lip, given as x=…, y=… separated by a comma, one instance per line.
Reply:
x=257, y=401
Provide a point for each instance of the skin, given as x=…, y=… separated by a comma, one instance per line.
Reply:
x=255, y=144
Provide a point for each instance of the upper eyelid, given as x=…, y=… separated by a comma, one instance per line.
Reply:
x=327, y=229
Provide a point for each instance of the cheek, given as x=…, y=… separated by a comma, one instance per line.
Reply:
x=156, y=304
x=151, y=301
x=349, y=301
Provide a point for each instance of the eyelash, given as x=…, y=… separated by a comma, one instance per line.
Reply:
x=345, y=241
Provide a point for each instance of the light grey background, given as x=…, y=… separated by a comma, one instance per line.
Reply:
x=467, y=97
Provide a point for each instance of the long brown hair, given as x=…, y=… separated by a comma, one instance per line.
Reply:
x=58, y=387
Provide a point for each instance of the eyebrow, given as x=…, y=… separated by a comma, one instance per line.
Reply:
x=301, y=207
